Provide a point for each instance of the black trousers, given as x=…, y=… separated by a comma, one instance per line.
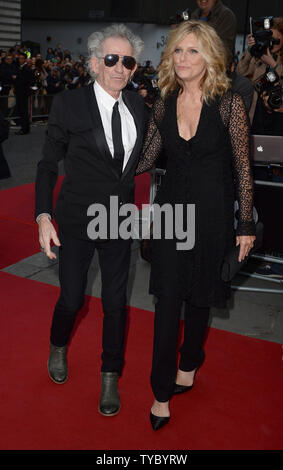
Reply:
x=165, y=344
x=75, y=256
x=22, y=102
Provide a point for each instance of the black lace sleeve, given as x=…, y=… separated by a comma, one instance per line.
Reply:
x=234, y=116
x=152, y=142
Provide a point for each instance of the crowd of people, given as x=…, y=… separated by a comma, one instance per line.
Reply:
x=44, y=76
x=47, y=75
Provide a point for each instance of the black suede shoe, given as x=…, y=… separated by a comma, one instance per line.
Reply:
x=57, y=364
x=109, y=404
x=158, y=422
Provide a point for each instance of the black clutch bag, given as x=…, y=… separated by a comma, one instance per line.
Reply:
x=231, y=265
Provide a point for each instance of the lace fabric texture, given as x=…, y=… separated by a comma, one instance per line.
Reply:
x=236, y=123
x=211, y=170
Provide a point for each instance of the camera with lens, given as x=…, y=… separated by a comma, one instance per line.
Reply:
x=260, y=28
x=180, y=17
x=275, y=99
x=270, y=83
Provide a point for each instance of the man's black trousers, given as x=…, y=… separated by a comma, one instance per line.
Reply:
x=75, y=256
x=22, y=101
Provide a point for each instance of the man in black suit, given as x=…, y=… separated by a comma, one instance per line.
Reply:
x=87, y=128
x=23, y=80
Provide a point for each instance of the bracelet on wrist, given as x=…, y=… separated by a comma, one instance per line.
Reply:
x=41, y=215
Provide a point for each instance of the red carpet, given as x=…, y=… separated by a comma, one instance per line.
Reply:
x=18, y=231
x=18, y=240
x=236, y=402
x=142, y=190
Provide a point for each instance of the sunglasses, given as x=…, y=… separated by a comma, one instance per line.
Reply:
x=111, y=59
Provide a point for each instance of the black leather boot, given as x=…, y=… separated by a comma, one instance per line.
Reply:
x=109, y=404
x=57, y=364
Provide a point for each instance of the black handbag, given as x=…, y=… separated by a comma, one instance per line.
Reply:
x=231, y=265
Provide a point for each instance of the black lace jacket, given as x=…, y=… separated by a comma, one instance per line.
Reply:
x=229, y=112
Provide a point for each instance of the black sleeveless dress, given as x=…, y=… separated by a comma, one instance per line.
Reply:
x=210, y=171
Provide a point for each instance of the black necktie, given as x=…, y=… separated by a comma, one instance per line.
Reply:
x=117, y=138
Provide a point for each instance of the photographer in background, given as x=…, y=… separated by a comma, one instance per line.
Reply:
x=40, y=85
x=23, y=80
x=222, y=19
x=255, y=67
x=266, y=119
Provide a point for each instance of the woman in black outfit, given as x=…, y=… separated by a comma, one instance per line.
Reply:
x=203, y=128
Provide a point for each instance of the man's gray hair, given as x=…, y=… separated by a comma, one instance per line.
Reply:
x=96, y=39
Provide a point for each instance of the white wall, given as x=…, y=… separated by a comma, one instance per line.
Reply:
x=74, y=35
x=10, y=27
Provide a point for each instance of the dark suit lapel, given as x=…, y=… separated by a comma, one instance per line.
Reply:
x=98, y=131
x=138, y=122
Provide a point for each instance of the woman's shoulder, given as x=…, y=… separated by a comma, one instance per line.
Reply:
x=158, y=108
x=228, y=98
x=231, y=104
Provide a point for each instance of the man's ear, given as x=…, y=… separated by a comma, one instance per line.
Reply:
x=133, y=71
x=95, y=64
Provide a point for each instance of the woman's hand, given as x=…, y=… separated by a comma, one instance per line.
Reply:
x=246, y=243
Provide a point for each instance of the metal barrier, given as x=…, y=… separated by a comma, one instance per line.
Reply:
x=156, y=180
x=39, y=106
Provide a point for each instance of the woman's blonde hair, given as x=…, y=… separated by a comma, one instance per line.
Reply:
x=215, y=80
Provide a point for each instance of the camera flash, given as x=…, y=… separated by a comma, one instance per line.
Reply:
x=271, y=77
x=185, y=15
x=266, y=23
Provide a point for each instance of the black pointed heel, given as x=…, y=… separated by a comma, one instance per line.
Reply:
x=158, y=422
x=181, y=389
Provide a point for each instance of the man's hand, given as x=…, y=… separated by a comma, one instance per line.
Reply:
x=47, y=233
x=251, y=41
x=268, y=59
x=278, y=110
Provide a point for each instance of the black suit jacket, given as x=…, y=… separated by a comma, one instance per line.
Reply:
x=24, y=80
x=75, y=134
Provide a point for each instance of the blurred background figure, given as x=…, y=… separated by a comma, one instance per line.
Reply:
x=222, y=19
x=23, y=81
x=4, y=133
